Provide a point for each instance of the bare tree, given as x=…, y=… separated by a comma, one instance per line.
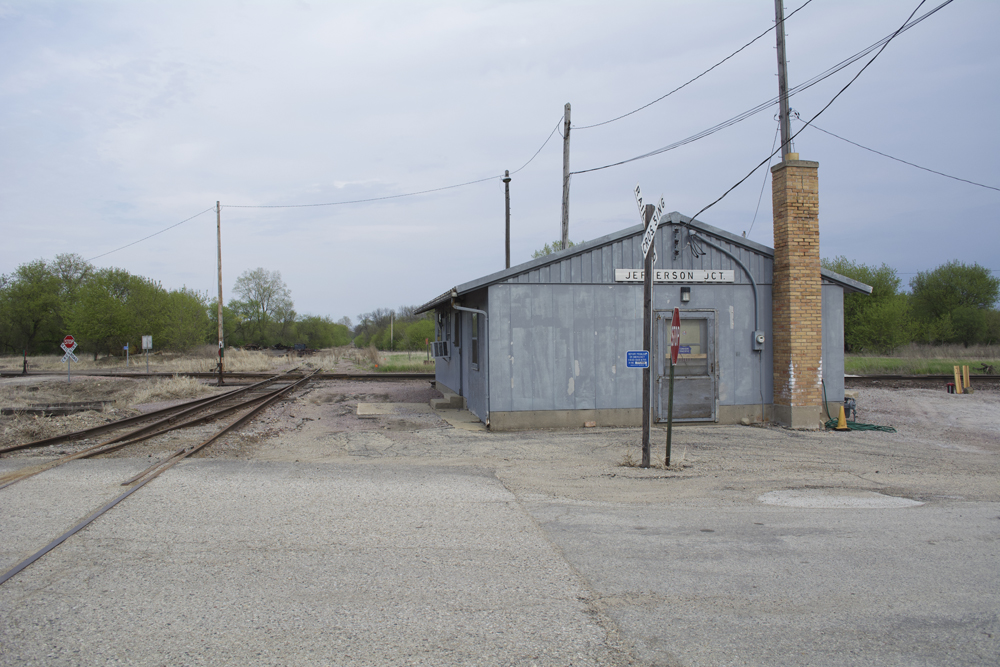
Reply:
x=264, y=298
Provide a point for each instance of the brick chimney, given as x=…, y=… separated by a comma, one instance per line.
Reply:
x=797, y=311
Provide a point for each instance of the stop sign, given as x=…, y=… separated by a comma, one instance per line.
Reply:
x=68, y=341
x=675, y=335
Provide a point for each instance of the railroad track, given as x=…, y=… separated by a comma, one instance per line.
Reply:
x=249, y=401
x=227, y=377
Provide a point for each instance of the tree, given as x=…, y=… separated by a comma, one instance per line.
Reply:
x=876, y=322
x=73, y=271
x=265, y=299
x=951, y=304
x=189, y=322
x=115, y=308
x=555, y=247
x=31, y=308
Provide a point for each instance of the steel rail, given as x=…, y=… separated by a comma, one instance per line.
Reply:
x=233, y=376
x=97, y=430
x=189, y=406
x=184, y=453
x=113, y=445
x=147, y=476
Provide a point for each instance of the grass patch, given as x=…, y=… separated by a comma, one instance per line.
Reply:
x=859, y=365
x=166, y=390
x=404, y=362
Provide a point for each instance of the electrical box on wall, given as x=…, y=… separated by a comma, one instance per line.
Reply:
x=758, y=341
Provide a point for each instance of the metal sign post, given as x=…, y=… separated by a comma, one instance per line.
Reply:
x=147, y=345
x=675, y=345
x=68, y=345
x=126, y=355
x=650, y=217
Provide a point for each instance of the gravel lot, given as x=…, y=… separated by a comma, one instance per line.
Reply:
x=319, y=537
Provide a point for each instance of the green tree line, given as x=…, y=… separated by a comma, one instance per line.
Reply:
x=954, y=303
x=399, y=329
x=106, y=309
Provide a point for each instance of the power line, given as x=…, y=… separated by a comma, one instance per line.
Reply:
x=872, y=150
x=774, y=141
x=406, y=194
x=817, y=115
x=152, y=235
x=684, y=85
x=554, y=130
x=771, y=102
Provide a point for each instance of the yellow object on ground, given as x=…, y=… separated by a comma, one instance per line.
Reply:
x=842, y=421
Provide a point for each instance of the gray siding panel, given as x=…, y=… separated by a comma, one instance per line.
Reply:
x=499, y=351
x=833, y=343
x=562, y=341
x=584, y=348
x=606, y=346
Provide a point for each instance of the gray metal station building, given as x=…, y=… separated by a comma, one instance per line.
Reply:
x=544, y=344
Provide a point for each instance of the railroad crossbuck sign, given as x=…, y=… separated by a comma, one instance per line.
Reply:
x=68, y=345
x=647, y=239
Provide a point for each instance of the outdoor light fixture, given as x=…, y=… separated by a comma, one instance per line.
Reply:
x=685, y=294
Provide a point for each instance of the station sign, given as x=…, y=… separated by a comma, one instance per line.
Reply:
x=677, y=276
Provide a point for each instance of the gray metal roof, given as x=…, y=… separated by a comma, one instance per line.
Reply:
x=626, y=242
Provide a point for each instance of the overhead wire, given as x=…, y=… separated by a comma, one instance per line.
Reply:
x=774, y=100
x=152, y=235
x=809, y=122
x=354, y=201
x=760, y=197
x=405, y=194
x=872, y=150
x=690, y=81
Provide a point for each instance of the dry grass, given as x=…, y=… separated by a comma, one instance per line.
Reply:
x=165, y=390
x=200, y=360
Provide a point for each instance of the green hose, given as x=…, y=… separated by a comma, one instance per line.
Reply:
x=853, y=426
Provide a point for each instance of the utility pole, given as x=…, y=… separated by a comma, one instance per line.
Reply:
x=565, y=202
x=783, y=118
x=506, y=195
x=218, y=229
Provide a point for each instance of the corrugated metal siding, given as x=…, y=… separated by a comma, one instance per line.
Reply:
x=562, y=347
x=565, y=346
x=833, y=343
x=597, y=265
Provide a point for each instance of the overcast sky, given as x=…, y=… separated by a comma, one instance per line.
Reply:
x=120, y=119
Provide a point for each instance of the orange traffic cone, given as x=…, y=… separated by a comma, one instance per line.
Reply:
x=842, y=421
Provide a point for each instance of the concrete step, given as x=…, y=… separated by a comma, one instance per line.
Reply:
x=450, y=400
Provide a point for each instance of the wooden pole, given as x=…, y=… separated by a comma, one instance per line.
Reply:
x=565, y=199
x=647, y=338
x=218, y=228
x=783, y=119
x=506, y=196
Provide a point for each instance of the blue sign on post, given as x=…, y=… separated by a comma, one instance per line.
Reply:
x=637, y=359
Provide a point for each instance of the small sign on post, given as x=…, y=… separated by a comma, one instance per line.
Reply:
x=637, y=359
x=147, y=345
x=68, y=345
x=675, y=345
